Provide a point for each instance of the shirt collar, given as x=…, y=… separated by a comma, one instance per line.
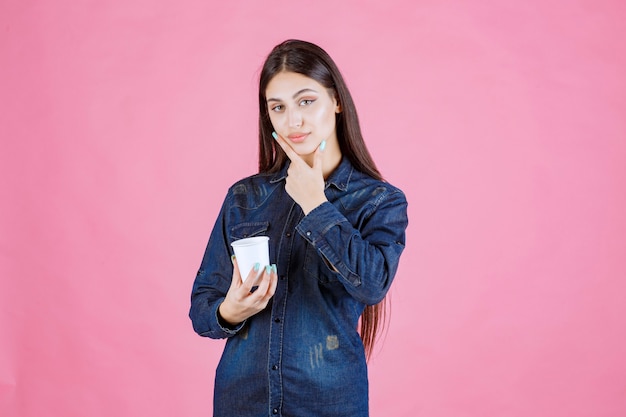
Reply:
x=340, y=177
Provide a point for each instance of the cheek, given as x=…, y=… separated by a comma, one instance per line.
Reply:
x=325, y=116
x=275, y=120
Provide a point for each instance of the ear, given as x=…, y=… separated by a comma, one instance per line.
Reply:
x=338, y=108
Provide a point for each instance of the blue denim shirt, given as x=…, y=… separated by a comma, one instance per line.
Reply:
x=302, y=355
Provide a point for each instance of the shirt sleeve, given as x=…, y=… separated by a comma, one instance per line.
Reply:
x=364, y=259
x=212, y=283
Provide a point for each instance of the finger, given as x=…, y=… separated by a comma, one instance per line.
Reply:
x=273, y=281
x=250, y=280
x=265, y=280
x=267, y=288
x=258, y=279
x=291, y=154
x=317, y=161
x=236, y=280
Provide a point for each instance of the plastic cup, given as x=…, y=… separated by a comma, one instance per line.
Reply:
x=249, y=251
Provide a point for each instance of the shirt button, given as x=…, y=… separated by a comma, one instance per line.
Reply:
x=277, y=320
x=275, y=411
x=275, y=367
x=308, y=233
x=288, y=234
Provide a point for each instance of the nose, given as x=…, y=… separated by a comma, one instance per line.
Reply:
x=295, y=118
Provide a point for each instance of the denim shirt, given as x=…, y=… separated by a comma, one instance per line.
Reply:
x=302, y=355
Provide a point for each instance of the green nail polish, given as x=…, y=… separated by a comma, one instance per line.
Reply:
x=274, y=268
x=256, y=267
x=274, y=135
x=323, y=145
x=268, y=269
x=232, y=258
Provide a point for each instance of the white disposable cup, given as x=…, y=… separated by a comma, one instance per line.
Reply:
x=249, y=251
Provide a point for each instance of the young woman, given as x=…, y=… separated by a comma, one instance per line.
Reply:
x=336, y=233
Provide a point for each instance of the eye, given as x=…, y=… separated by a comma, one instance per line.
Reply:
x=277, y=108
x=306, y=102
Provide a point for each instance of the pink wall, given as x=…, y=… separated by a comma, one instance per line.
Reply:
x=504, y=122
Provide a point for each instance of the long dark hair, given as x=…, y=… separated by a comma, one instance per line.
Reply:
x=312, y=61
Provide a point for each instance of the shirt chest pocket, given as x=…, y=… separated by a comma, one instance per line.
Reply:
x=248, y=229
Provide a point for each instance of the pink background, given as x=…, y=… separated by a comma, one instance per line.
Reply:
x=122, y=123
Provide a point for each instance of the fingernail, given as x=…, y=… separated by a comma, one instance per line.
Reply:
x=323, y=145
x=256, y=267
x=268, y=269
x=232, y=258
x=274, y=135
x=274, y=268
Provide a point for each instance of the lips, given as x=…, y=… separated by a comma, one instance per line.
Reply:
x=297, y=137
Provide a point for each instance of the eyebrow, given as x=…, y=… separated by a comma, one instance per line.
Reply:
x=304, y=90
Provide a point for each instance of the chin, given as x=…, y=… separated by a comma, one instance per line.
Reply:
x=304, y=149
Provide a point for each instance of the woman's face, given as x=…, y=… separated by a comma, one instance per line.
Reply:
x=302, y=111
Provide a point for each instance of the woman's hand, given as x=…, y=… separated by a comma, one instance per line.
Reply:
x=305, y=184
x=240, y=302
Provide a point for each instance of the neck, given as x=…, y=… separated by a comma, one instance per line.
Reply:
x=330, y=163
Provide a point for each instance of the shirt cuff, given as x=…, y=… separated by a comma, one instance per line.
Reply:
x=224, y=326
x=319, y=220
